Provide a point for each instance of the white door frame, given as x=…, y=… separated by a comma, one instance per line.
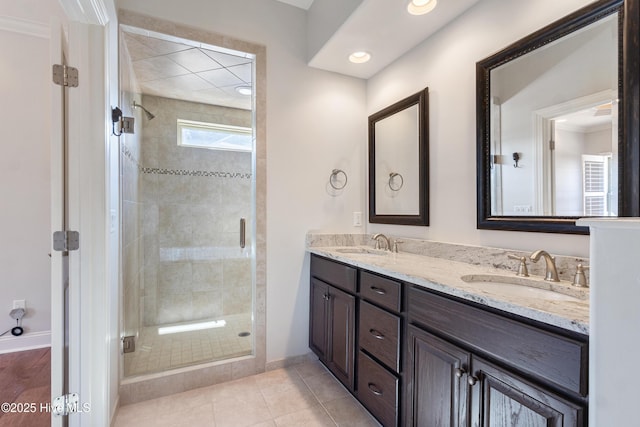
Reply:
x=92, y=312
x=542, y=131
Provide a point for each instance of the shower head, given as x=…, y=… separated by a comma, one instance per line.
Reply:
x=147, y=113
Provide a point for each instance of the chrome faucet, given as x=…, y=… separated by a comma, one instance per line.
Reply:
x=378, y=237
x=552, y=272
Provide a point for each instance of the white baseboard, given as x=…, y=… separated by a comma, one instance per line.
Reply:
x=28, y=341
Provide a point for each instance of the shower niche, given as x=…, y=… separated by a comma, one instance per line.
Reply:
x=188, y=210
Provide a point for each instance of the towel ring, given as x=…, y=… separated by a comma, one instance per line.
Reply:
x=392, y=177
x=333, y=177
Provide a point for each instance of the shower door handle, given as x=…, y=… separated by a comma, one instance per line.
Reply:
x=243, y=232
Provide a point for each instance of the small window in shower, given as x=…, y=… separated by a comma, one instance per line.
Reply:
x=214, y=136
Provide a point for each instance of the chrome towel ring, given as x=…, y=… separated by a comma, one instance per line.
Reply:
x=393, y=185
x=334, y=179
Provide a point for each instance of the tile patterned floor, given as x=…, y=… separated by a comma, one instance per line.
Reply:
x=302, y=395
x=157, y=353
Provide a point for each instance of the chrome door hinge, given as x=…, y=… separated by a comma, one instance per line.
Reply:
x=65, y=241
x=66, y=404
x=65, y=76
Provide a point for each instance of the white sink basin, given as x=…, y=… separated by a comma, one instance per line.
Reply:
x=362, y=251
x=524, y=288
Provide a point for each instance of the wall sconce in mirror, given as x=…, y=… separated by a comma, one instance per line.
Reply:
x=516, y=159
x=399, y=159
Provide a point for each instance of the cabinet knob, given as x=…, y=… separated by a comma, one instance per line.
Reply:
x=459, y=372
x=472, y=380
x=374, y=389
x=327, y=296
x=376, y=334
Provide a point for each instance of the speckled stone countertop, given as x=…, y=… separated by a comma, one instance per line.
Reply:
x=444, y=276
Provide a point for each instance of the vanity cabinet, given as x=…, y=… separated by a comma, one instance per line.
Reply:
x=415, y=357
x=332, y=318
x=471, y=367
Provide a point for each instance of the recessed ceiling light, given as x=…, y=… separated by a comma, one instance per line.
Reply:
x=420, y=7
x=244, y=90
x=359, y=57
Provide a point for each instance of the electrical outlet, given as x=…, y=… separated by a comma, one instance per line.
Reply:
x=357, y=219
x=19, y=303
x=523, y=208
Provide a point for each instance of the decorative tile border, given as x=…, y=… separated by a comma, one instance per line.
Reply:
x=181, y=172
x=186, y=172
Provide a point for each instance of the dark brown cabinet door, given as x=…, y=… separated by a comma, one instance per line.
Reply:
x=341, y=329
x=501, y=399
x=318, y=318
x=436, y=387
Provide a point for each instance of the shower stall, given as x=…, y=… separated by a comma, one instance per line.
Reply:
x=188, y=204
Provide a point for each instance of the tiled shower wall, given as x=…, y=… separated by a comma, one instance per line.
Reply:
x=192, y=200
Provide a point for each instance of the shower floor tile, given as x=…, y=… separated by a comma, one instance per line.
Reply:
x=156, y=353
x=301, y=395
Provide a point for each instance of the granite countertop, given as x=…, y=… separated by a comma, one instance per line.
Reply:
x=445, y=276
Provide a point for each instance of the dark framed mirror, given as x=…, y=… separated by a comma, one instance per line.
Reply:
x=557, y=123
x=399, y=162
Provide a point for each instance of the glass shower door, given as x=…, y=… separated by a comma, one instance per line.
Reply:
x=187, y=181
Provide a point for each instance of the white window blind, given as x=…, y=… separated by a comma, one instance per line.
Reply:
x=595, y=173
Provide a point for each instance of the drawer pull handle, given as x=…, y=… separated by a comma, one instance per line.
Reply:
x=376, y=334
x=374, y=389
x=378, y=291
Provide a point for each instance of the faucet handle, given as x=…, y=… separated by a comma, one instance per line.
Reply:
x=395, y=245
x=522, y=268
x=580, y=279
x=376, y=245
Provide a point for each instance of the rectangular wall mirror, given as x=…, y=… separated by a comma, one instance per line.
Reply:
x=399, y=162
x=551, y=146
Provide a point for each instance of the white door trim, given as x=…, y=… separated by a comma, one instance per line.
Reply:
x=91, y=307
x=542, y=131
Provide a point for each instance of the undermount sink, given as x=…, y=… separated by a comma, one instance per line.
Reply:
x=362, y=251
x=525, y=288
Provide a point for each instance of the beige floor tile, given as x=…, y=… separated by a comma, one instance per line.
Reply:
x=347, y=412
x=289, y=399
x=241, y=411
x=200, y=416
x=310, y=369
x=315, y=416
x=326, y=387
x=279, y=398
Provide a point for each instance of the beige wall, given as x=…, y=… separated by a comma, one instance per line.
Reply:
x=25, y=182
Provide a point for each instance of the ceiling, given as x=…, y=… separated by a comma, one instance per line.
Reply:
x=181, y=69
x=173, y=68
x=383, y=28
x=302, y=4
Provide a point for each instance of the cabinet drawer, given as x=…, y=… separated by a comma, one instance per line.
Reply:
x=333, y=273
x=550, y=357
x=380, y=290
x=378, y=334
x=378, y=390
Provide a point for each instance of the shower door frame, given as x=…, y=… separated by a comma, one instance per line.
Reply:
x=246, y=365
